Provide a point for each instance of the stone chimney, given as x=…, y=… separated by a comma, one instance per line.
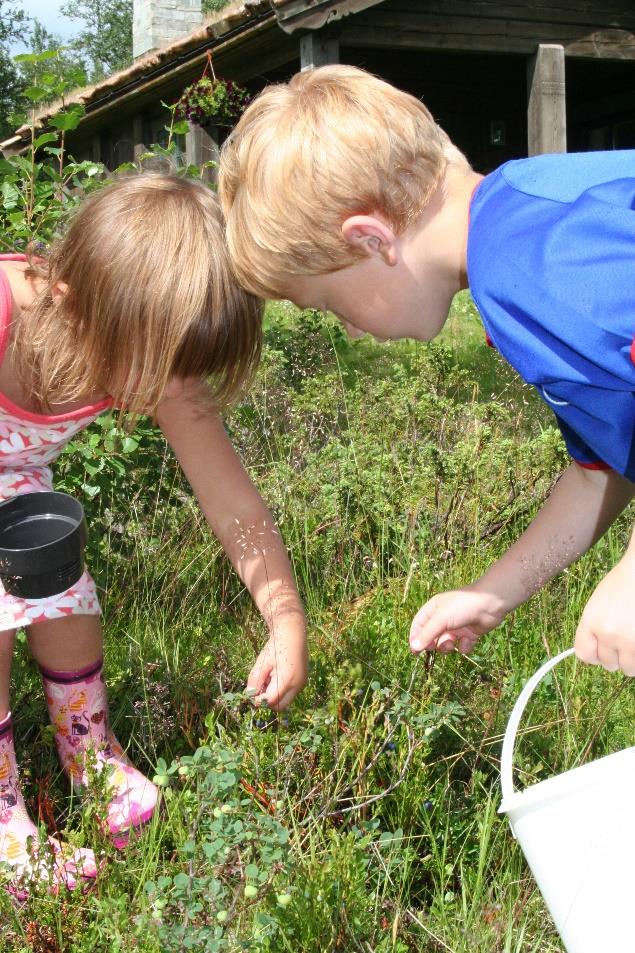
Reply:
x=157, y=23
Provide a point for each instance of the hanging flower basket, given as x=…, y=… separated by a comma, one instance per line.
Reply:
x=212, y=101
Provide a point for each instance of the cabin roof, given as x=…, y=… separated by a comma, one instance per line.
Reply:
x=234, y=22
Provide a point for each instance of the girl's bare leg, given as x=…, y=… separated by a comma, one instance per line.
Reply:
x=7, y=642
x=67, y=644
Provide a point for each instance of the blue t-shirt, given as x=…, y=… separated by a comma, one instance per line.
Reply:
x=551, y=267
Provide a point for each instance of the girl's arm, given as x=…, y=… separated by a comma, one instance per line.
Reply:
x=245, y=528
x=581, y=507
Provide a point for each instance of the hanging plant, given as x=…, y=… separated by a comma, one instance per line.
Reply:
x=211, y=100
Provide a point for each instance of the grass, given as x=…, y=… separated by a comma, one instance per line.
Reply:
x=365, y=818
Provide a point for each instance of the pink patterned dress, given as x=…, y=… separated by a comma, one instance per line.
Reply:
x=28, y=444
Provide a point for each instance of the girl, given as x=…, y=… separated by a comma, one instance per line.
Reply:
x=135, y=307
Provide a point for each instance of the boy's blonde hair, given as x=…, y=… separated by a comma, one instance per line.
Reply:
x=148, y=295
x=331, y=143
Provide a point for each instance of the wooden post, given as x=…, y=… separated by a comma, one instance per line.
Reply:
x=201, y=145
x=138, y=145
x=546, y=112
x=316, y=49
x=95, y=147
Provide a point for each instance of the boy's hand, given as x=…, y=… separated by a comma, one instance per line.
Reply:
x=282, y=667
x=455, y=619
x=606, y=633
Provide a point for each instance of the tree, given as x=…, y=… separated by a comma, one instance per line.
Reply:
x=106, y=40
x=13, y=21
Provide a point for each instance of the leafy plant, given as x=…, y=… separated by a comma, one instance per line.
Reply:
x=214, y=101
x=233, y=854
x=39, y=189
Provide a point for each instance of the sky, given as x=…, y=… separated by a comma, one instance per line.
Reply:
x=47, y=12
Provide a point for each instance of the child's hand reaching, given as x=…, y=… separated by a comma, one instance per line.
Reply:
x=455, y=619
x=606, y=633
x=281, y=669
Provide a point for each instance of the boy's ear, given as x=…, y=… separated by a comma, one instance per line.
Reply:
x=373, y=236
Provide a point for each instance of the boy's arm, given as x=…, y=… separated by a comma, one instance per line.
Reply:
x=581, y=507
x=244, y=526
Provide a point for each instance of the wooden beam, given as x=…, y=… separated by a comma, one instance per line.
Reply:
x=298, y=14
x=316, y=49
x=546, y=111
x=512, y=27
x=604, y=44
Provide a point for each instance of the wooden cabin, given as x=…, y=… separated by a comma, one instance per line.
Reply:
x=505, y=78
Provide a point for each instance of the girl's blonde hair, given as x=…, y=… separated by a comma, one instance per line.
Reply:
x=148, y=294
x=331, y=143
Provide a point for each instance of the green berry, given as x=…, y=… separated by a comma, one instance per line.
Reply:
x=283, y=899
x=222, y=915
x=251, y=892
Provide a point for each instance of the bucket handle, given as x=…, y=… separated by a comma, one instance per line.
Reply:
x=507, y=755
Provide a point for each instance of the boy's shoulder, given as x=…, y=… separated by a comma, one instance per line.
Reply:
x=563, y=177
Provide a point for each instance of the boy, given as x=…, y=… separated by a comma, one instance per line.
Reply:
x=341, y=193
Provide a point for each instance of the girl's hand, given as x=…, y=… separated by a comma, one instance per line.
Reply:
x=282, y=667
x=455, y=619
x=606, y=633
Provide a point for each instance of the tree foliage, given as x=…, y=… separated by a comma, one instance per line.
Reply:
x=105, y=39
x=212, y=6
x=13, y=22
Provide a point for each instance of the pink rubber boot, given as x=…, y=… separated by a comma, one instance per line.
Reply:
x=78, y=707
x=66, y=866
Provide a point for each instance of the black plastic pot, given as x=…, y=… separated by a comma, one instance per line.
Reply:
x=42, y=539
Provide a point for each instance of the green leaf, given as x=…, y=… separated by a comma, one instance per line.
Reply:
x=180, y=128
x=36, y=57
x=22, y=163
x=182, y=881
x=69, y=118
x=25, y=58
x=44, y=139
x=35, y=93
x=129, y=444
x=10, y=195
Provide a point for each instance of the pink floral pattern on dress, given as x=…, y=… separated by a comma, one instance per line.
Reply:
x=26, y=448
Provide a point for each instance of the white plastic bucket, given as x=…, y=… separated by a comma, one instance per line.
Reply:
x=577, y=831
